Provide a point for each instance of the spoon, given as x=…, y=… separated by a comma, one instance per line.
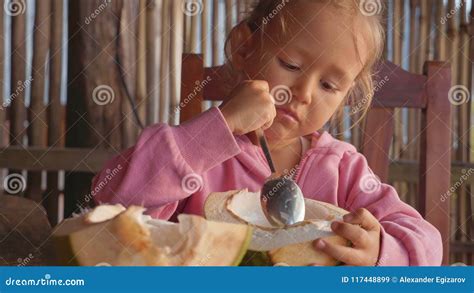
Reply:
x=281, y=198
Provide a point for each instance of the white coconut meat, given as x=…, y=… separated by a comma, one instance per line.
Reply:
x=132, y=238
x=244, y=207
x=103, y=213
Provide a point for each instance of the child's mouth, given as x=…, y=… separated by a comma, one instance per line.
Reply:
x=287, y=115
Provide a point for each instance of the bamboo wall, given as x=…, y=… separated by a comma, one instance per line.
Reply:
x=36, y=36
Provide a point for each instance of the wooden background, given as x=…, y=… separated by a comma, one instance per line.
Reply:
x=73, y=70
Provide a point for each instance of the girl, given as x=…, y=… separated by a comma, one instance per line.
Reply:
x=319, y=52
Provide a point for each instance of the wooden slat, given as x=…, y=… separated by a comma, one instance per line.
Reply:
x=18, y=69
x=3, y=110
x=240, y=10
x=229, y=8
x=377, y=138
x=408, y=170
x=205, y=35
x=93, y=68
x=449, y=51
x=216, y=24
x=54, y=159
x=92, y=160
x=194, y=43
x=215, y=32
x=127, y=56
x=435, y=160
x=165, y=63
x=176, y=51
x=140, y=86
x=191, y=99
x=37, y=130
x=424, y=23
x=462, y=62
x=462, y=247
x=400, y=88
x=470, y=82
x=440, y=38
x=206, y=38
x=153, y=52
x=55, y=118
x=452, y=40
x=37, y=135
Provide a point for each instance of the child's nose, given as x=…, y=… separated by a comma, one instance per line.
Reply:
x=303, y=91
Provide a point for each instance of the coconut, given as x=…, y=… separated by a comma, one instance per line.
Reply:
x=113, y=235
x=291, y=245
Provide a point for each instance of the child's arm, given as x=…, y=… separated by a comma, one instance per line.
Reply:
x=406, y=238
x=151, y=173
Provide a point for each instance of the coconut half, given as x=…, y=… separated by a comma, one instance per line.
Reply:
x=110, y=235
x=291, y=245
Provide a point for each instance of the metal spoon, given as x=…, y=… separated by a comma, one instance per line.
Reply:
x=281, y=198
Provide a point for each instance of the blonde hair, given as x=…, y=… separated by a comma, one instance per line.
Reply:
x=363, y=90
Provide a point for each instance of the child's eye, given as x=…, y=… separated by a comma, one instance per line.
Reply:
x=328, y=86
x=288, y=66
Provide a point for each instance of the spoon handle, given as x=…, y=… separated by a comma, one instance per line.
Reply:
x=266, y=151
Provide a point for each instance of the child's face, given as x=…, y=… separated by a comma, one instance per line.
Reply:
x=317, y=60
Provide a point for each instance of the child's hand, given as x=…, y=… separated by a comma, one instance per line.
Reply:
x=363, y=230
x=250, y=106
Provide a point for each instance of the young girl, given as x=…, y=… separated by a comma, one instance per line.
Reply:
x=320, y=52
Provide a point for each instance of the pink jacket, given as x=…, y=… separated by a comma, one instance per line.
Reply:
x=172, y=169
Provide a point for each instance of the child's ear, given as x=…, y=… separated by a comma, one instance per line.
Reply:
x=241, y=43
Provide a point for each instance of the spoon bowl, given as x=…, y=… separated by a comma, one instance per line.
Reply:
x=281, y=198
x=282, y=202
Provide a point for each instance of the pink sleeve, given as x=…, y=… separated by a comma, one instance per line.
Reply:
x=406, y=238
x=153, y=173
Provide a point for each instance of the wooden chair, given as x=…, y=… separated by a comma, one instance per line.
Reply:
x=86, y=161
x=25, y=233
x=401, y=89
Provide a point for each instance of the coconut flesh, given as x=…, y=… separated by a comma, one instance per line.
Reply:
x=236, y=224
x=112, y=235
x=291, y=245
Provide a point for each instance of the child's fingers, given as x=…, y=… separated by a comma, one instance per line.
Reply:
x=267, y=125
x=344, y=254
x=354, y=233
x=364, y=218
